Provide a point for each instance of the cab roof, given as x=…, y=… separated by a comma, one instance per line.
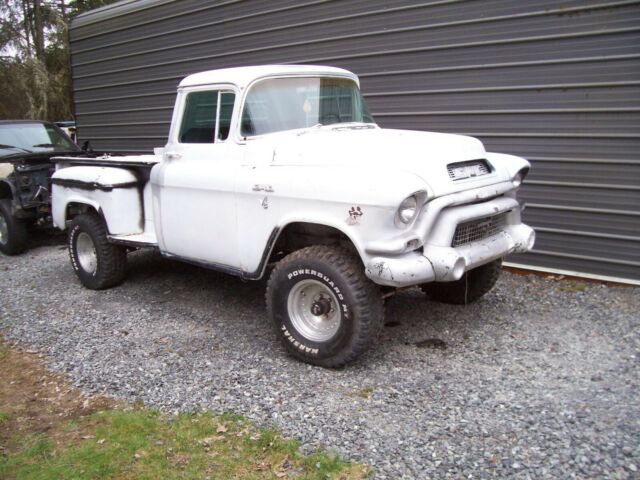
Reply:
x=243, y=76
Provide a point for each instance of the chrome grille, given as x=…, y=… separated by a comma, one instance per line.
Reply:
x=479, y=229
x=473, y=168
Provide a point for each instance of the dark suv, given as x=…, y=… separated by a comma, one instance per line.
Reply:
x=25, y=184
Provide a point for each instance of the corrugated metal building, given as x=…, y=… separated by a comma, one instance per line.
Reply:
x=557, y=82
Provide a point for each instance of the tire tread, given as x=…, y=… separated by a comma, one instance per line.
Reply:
x=368, y=301
x=112, y=258
x=18, y=235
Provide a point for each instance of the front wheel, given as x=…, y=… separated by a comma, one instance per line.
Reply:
x=469, y=288
x=13, y=231
x=98, y=263
x=325, y=310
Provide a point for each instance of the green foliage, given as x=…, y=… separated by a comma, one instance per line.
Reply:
x=80, y=6
x=365, y=393
x=34, y=57
x=143, y=444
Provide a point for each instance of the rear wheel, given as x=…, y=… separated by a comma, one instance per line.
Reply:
x=13, y=231
x=98, y=263
x=325, y=310
x=473, y=285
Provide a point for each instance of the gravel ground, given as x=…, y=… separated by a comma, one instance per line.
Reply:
x=539, y=379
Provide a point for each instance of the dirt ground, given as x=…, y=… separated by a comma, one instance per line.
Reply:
x=33, y=400
x=48, y=430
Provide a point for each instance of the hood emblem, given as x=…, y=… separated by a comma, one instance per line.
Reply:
x=471, y=169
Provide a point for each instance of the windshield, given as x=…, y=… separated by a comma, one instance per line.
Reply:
x=33, y=138
x=279, y=104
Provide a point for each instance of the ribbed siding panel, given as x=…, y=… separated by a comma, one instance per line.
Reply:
x=557, y=82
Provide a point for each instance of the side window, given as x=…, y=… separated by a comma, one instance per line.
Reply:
x=206, y=117
x=199, y=117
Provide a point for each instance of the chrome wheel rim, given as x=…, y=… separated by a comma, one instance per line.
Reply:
x=314, y=310
x=86, y=250
x=4, y=230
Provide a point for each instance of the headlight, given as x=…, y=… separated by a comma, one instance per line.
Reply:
x=517, y=180
x=407, y=209
x=519, y=177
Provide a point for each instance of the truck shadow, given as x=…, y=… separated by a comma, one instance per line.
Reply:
x=222, y=302
x=45, y=237
x=197, y=289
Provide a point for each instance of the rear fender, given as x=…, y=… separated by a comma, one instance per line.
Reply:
x=114, y=192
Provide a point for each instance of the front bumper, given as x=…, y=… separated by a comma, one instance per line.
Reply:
x=446, y=264
x=438, y=260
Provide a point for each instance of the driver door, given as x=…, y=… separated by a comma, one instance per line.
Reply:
x=194, y=198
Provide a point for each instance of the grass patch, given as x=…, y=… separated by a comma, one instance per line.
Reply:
x=4, y=417
x=365, y=393
x=144, y=444
x=49, y=431
x=573, y=286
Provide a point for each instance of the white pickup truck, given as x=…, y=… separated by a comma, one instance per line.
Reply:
x=284, y=167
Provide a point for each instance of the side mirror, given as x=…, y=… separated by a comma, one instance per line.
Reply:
x=86, y=147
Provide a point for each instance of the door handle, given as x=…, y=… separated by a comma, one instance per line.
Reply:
x=173, y=156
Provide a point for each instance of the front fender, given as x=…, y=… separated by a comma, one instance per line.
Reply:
x=8, y=191
x=509, y=163
x=7, y=188
x=360, y=203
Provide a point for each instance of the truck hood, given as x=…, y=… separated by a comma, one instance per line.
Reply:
x=423, y=154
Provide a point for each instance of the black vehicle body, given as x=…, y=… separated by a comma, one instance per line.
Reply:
x=25, y=193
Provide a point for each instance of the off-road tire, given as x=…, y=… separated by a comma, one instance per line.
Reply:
x=111, y=260
x=473, y=285
x=360, y=305
x=15, y=241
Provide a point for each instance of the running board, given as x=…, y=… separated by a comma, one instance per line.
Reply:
x=137, y=240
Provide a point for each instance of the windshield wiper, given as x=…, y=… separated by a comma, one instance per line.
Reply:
x=306, y=130
x=353, y=126
x=44, y=145
x=2, y=145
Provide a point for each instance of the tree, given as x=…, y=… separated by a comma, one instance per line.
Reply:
x=34, y=57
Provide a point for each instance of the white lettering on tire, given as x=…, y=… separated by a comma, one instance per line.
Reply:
x=331, y=284
x=72, y=235
x=74, y=263
x=297, y=344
